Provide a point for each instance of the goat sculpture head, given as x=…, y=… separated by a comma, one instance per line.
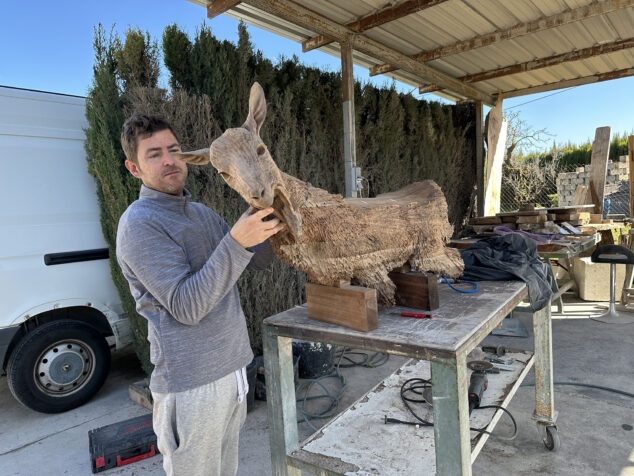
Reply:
x=244, y=162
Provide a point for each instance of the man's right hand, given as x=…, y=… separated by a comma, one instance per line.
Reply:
x=251, y=230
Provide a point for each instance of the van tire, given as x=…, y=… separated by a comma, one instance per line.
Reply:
x=58, y=366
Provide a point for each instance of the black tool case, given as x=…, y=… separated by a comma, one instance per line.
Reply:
x=122, y=443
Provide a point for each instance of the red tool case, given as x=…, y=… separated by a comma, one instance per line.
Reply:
x=122, y=443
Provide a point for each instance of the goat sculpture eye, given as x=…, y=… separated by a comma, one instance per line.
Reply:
x=225, y=175
x=261, y=149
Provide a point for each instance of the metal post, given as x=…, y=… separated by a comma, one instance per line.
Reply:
x=347, y=92
x=544, y=392
x=451, y=416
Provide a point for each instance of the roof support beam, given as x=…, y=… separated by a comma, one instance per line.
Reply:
x=541, y=63
x=375, y=19
x=599, y=7
x=218, y=7
x=294, y=13
x=595, y=78
x=347, y=97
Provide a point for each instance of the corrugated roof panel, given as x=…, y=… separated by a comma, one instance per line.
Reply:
x=457, y=20
x=600, y=64
x=623, y=22
x=577, y=69
x=504, y=84
x=599, y=30
x=552, y=7
x=426, y=34
x=556, y=39
x=445, y=65
x=394, y=39
x=526, y=11
x=533, y=47
x=576, y=35
x=336, y=11
x=457, y=28
x=623, y=59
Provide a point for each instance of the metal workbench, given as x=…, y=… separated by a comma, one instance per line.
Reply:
x=461, y=322
x=567, y=255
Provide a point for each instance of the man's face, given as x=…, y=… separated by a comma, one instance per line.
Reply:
x=157, y=167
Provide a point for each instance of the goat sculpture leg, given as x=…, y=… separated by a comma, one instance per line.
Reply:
x=379, y=280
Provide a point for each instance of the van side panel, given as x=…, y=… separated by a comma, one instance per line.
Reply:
x=49, y=207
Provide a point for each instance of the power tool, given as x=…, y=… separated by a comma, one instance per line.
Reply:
x=477, y=385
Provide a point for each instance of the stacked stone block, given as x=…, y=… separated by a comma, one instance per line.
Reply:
x=567, y=182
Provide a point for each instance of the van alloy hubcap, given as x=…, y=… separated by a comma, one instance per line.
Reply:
x=64, y=367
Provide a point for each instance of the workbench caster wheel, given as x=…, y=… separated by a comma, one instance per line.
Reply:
x=551, y=441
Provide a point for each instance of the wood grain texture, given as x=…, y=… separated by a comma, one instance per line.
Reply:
x=349, y=306
x=496, y=138
x=599, y=164
x=416, y=290
x=329, y=237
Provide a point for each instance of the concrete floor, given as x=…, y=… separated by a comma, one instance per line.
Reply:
x=595, y=426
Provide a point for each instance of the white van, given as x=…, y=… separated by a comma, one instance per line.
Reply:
x=60, y=313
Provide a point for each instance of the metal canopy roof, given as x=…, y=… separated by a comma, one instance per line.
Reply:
x=460, y=49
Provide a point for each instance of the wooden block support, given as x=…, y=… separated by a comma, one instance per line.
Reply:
x=532, y=219
x=348, y=306
x=490, y=220
x=567, y=216
x=417, y=290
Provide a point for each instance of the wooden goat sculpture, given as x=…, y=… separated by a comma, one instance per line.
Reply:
x=326, y=236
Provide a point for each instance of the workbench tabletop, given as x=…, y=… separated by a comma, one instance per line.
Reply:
x=460, y=319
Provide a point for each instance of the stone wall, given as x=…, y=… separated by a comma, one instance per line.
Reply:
x=616, y=182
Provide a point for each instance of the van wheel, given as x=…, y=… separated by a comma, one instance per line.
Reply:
x=58, y=366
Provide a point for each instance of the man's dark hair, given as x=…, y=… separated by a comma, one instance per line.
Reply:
x=140, y=126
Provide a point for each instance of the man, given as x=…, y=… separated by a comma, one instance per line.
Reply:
x=182, y=262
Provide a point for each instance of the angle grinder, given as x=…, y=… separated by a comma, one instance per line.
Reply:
x=478, y=382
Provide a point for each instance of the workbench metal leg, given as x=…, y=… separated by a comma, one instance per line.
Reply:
x=545, y=414
x=451, y=416
x=280, y=400
x=554, y=286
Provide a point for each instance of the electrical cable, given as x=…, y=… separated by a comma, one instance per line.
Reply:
x=461, y=281
x=420, y=383
x=333, y=400
x=370, y=361
x=589, y=385
x=540, y=98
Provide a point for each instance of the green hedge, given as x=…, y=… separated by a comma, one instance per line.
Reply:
x=399, y=139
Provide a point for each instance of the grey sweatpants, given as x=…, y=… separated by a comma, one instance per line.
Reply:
x=198, y=430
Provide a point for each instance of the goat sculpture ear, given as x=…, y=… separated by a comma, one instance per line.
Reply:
x=257, y=109
x=195, y=157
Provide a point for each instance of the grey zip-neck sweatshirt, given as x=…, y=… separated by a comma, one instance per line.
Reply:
x=182, y=265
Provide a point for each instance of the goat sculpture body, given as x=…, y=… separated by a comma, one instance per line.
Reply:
x=326, y=236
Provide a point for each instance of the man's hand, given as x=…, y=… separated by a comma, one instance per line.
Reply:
x=251, y=230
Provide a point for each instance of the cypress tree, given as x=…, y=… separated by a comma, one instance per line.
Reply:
x=116, y=64
x=177, y=52
x=137, y=60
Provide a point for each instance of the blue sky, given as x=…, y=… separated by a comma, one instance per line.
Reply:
x=48, y=46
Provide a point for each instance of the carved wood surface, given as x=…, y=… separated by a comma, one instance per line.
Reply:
x=329, y=237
